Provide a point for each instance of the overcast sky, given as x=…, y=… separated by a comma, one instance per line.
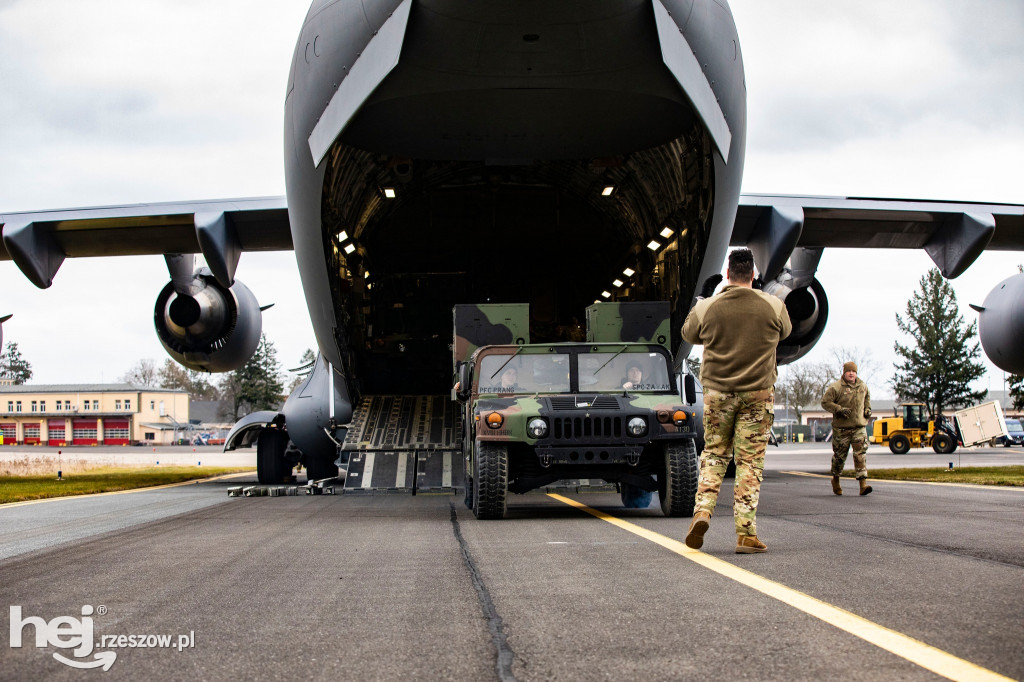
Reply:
x=116, y=101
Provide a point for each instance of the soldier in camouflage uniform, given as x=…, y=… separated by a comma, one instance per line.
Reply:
x=740, y=329
x=849, y=401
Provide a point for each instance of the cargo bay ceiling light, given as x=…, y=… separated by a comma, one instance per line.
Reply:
x=653, y=245
x=617, y=283
x=606, y=294
x=607, y=191
x=666, y=232
x=629, y=272
x=342, y=236
x=389, y=192
x=349, y=248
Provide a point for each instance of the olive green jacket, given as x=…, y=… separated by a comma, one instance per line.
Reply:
x=740, y=328
x=855, y=397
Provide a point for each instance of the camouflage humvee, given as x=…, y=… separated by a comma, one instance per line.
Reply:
x=536, y=414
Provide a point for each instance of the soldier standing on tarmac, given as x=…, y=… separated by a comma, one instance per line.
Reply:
x=849, y=401
x=740, y=329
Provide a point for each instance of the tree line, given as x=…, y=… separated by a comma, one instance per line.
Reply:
x=257, y=385
x=935, y=367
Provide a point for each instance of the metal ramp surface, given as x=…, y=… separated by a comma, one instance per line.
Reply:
x=405, y=443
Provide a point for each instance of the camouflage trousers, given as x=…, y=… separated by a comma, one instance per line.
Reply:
x=842, y=439
x=736, y=425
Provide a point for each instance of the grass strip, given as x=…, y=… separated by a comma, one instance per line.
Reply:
x=102, y=480
x=1001, y=475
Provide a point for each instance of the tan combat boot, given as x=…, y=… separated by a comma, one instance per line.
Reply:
x=864, y=487
x=749, y=544
x=699, y=526
x=836, y=488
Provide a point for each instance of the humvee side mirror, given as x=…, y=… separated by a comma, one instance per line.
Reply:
x=465, y=382
x=689, y=389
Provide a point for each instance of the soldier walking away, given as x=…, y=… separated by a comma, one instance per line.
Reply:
x=740, y=329
x=849, y=401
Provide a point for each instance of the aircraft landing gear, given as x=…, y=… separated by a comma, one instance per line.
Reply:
x=271, y=465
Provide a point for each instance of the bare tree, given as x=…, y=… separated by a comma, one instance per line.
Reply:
x=867, y=366
x=804, y=384
x=142, y=373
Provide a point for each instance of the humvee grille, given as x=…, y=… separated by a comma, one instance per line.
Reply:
x=570, y=428
x=598, y=402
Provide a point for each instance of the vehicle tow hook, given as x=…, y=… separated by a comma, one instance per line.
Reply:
x=545, y=460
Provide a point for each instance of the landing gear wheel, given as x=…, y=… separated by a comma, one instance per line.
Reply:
x=317, y=469
x=943, y=444
x=677, y=484
x=633, y=497
x=490, y=480
x=900, y=445
x=271, y=465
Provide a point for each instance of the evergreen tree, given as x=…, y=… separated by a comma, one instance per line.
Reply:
x=173, y=375
x=939, y=368
x=256, y=386
x=1016, y=385
x=13, y=366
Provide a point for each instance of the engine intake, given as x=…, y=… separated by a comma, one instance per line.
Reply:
x=808, y=311
x=209, y=328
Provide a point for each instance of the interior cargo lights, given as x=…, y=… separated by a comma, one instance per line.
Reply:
x=607, y=191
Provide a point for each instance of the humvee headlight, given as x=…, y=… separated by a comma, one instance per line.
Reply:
x=679, y=417
x=537, y=428
x=637, y=426
x=495, y=420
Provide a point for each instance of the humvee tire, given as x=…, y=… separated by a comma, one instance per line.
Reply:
x=271, y=465
x=490, y=480
x=677, y=484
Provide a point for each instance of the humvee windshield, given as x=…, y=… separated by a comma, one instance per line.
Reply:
x=551, y=372
x=630, y=371
x=523, y=373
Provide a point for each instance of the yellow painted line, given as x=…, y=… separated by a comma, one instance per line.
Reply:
x=917, y=652
x=977, y=486
x=8, y=505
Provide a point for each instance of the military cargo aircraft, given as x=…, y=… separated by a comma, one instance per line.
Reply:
x=453, y=151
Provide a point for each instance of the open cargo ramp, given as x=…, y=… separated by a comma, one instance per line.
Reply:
x=405, y=443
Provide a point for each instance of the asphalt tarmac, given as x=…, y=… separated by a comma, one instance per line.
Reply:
x=914, y=581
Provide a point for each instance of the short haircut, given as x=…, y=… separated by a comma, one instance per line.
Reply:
x=741, y=264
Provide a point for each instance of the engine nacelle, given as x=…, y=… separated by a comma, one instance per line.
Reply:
x=1001, y=324
x=210, y=328
x=808, y=311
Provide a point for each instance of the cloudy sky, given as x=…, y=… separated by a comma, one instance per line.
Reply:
x=127, y=101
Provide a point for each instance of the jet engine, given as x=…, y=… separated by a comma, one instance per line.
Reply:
x=206, y=326
x=1001, y=324
x=807, y=306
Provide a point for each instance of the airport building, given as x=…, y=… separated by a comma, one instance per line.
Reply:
x=92, y=414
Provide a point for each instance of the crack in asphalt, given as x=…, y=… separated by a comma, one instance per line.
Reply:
x=503, y=667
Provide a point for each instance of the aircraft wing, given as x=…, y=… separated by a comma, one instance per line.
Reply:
x=39, y=241
x=953, y=233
